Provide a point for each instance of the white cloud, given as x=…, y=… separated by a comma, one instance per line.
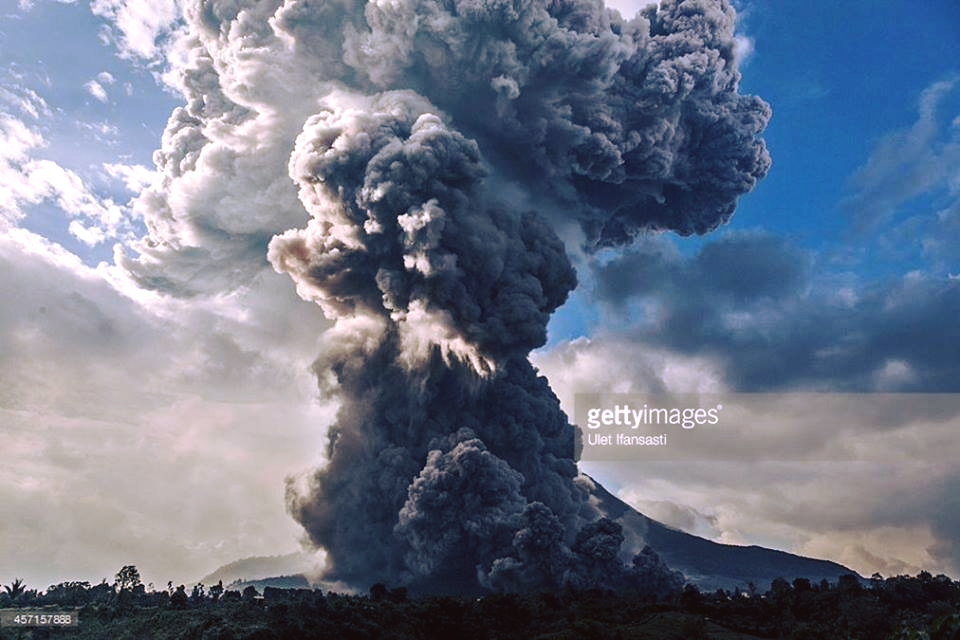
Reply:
x=909, y=163
x=871, y=517
x=224, y=187
x=26, y=5
x=629, y=8
x=16, y=141
x=89, y=235
x=159, y=432
x=103, y=131
x=25, y=100
x=29, y=181
x=863, y=484
x=608, y=364
x=894, y=374
x=96, y=90
x=889, y=551
x=135, y=177
x=101, y=218
x=139, y=24
x=675, y=515
x=743, y=48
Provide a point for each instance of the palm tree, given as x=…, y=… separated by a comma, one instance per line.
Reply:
x=15, y=588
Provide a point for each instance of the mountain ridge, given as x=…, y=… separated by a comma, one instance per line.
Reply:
x=707, y=564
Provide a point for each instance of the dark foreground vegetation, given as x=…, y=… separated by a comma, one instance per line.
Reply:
x=900, y=608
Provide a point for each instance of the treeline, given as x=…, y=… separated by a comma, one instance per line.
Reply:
x=923, y=607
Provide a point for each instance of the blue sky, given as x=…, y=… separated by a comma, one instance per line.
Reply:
x=837, y=273
x=840, y=83
x=97, y=108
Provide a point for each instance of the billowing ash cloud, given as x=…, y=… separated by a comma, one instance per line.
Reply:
x=630, y=124
x=438, y=297
x=435, y=147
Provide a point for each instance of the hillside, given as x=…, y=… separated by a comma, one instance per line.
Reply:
x=711, y=565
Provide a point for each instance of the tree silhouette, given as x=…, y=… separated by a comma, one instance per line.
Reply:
x=198, y=595
x=128, y=579
x=15, y=588
x=69, y=593
x=179, y=598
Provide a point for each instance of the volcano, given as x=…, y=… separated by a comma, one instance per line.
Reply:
x=706, y=564
x=711, y=565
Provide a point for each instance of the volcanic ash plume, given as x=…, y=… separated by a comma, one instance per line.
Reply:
x=448, y=138
x=451, y=462
x=445, y=434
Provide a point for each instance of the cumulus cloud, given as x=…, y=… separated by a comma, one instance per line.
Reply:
x=17, y=141
x=25, y=100
x=134, y=177
x=96, y=90
x=618, y=363
x=753, y=304
x=743, y=49
x=30, y=180
x=137, y=26
x=887, y=550
x=885, y=514
x=137, y=428
x=96, y=87
x=141, y=416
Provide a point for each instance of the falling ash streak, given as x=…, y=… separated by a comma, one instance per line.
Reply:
x=450, y=462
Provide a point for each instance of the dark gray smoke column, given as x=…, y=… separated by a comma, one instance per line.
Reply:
x=445, y=432
x=450, y=463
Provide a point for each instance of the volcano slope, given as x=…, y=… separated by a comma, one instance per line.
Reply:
x=710, y=565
